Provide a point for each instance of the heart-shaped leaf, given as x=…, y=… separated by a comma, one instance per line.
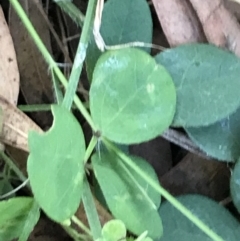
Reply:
x=128, y=196
x=122, y=22
x=207, y=83
x=55, y=165
x=132, y=99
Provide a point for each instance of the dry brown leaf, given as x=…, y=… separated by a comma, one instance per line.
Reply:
x=36, y=84
x=16, y=126
x=179, y=22
x=220, y=26
x=1, y=120
x=9, y=75
x=233, y=6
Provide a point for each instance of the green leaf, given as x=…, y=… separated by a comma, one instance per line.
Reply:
x=128, y=196
x=98, y=193
x=207, y=83
x=96, y=188
x=122, y=22
x=124, y=148
x=235, y=185
x=178, y=228
x=32, y=219
x=55, y=165
x=132, y=99
x=220, y=140
x=114, y=230
x=14, y=216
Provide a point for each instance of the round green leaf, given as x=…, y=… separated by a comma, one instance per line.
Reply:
x=114, y=230
x=179, y=228
x=220, y=140
x=55, y=165
x=14, y=217
x=129, y=198
x=132, y=99
x=120, y=25
x=207, y=83
x=235, y=185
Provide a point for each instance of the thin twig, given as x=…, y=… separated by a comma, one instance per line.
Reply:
x=226, y=201
x=183, y=141
x=14, y=190
x=76, y=36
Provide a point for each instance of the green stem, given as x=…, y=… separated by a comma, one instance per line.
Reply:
x=80, y=55
x=81, y=225
x=74, y=234
x=22, y=15
x=163, y=192
x=90, y=148
x=57, y=89
x=33, y=108
x=85, y=113
x=91, y=211
x=43, y=107
x=138, y=185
